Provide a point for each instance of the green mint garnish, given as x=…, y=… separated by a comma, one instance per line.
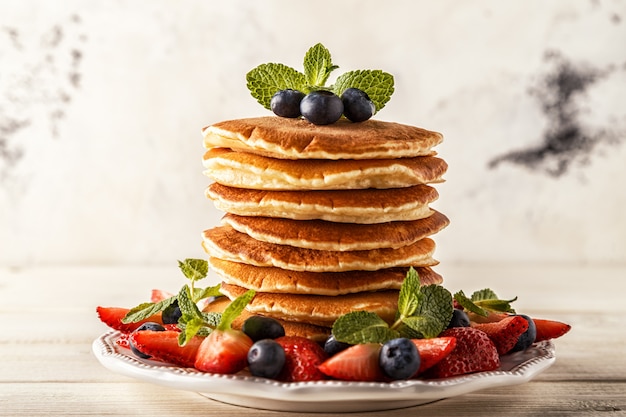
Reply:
x=234, y=309
x=145, y=310
x=423, y=312
x=484, y=301
x=267, y=79
x=194, y=269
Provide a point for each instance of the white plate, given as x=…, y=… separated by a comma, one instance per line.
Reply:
x=320, y=396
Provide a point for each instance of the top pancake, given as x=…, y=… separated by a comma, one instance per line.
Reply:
x=247, y=170
x=286, y=138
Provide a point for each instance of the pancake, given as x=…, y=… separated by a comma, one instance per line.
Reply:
x=246, y=170
x=353, y=206
x=324, y=235
x=319, y=310
x=311, y=331
x=285, y=138
x=226, y=243
x=277, y=280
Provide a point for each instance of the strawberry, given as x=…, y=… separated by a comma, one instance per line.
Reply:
x=164, y=346
x=112, y=317
x=159, y=295
x=550, y=329
x=433, y=350
x=302, y=359
x=504, y=333
x=356, y=363
x=474, y=352
x=223, y=352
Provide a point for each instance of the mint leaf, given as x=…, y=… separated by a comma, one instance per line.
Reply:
x=433, y=313
x=484, y=294
x=362, y=327
x=190, y=327
x=267, y=79
x=194, y=269
x=318, y=65
x=469, y=305
x=378, y=85
x=488, y=300
x=234, y=309
x=427, y=326
x=202, y=293
x=409, y=296
x=145, y=310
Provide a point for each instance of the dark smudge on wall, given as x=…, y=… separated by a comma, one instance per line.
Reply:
x=566, y=138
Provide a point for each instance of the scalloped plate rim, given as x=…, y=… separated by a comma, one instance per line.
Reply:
x=337, y=396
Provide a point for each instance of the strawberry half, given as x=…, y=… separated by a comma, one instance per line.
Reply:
x=550, y=329
x=302, y=359
x=159, y=295
x=433, y=350
x=474, y=352
x=504, y=333
x=223, y=352
x=356, y=363
x=112, y=317
x=164, y=346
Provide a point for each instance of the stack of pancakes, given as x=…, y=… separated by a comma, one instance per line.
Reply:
x=321, y=220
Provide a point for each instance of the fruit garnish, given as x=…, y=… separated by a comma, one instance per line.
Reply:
x=262, y=327
x=423, y=312
x=474, y=352
x=528, y=337
x=225, y=350
x=163, y=346
x=302, y=359
x=266, y=358
x=276, y=87
x=399, y=358
x=433, y=350
x=356, y=363
x=151, y=326
x=504, y=333
x=549, y=329
x=113, y=317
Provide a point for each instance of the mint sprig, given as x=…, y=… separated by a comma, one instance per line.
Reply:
x=423, y=312
x=484, y=301
x=267, y=79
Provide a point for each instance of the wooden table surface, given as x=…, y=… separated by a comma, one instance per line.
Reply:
x=48, y=324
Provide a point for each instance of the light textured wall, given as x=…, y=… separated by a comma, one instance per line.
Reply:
x=101, y=105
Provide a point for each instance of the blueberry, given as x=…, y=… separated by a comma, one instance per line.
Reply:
x=171, y=313
x=399, y=358
x=528, y=337
x=286, y=103
x=459, y=319
x=149, y=325
x=357, y=106
x=260, y=327
x=332, y=346
x=266, y=358
x=321, y=107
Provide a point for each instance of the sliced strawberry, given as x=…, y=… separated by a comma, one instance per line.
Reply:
x=159, y=295
x=433, y=350
x=223, y=352
x=112, y=317
x=302, y=359
x=474, y=352
x=550, y=329
x=164, y=346
x=504, y=333
x=356, y=363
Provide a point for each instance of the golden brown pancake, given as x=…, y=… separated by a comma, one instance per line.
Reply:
x=285, y=138
x=247, y=170
x=319, y=310
x=311, y=331
x=278, y=280
x=226, y=243
x=348, y=206
x=324, y=235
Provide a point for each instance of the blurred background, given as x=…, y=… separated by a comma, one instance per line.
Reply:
x=102, y=102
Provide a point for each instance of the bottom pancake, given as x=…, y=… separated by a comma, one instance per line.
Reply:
x=319, y=310
x=310, y=331
x=277, y=280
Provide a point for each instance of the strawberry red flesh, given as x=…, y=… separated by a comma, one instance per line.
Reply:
x=223, y=352
x=302, y=359
x=433, y=350
x=504, y=333
x=163, y=346
x=550, y=329
x=356, y=363
x=112, y=317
